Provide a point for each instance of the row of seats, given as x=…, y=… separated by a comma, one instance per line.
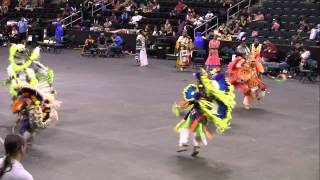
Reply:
x=297, y=12
x=283, y=34
x=291, y=4
x=267, y=25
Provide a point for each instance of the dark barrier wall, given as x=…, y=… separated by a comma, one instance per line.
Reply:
x=130, y=42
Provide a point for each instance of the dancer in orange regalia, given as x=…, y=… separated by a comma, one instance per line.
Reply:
x=245, y=75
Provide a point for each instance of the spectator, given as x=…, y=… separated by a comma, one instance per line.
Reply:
x=136, y=18
x=243, y=21
x=269, y=52
x=88, y=43
x=209, y=15
x=117, y=44
x=147, y=30
x=167, y=25
x=292, y=59
x=102, y=40
x=181, y=26
x=23, y=26
x=13, y=37
x=148, y=8
x=242, y=49
x=155, y=31
x=114, y=20
x=124, y=18
x=180, y=7
x=305, y=55
x=314, y=33
x=199, y=21
x=162, y=31
x=11, y=167
x=275, y=25
x=241, y=34
x=254, y=33
x=303, y=26
x=259, y=16
x=170, y=32
x=156, y=6
x=107, y=24
x=5, y=5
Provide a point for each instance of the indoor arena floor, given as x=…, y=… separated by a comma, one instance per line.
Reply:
x=116, y=124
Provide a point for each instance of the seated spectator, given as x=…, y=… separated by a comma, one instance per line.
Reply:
x=136, y=18
x=148, y=8
x=128, y=6
x=180, y=7
x=296, y=38
x=170, y=32
x=147, y=30
x=199, y=21
x=114, y=20
x=155, y=31
x=254, y=33
x=275, y=25
x=162, y=31
x=191, y=17
x=303, y=26
x=241, y=34
x=209, y=15
x=167, y=25
x=259, y=16
x=226, y=4
x=117, y=44
x=88, y=43
x=13, y=37
x=305, y=55
x=292, y=59
x=156, y=6
x=269, y=52
x=243, y=21
x=116, y=5
x=102, y=40
x=107, y=25
x=315, y=32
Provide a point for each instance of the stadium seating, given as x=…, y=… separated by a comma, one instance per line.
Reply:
x=289, y=13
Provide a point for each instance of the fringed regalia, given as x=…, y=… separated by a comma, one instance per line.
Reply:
x=211, y=100
x=33, y=97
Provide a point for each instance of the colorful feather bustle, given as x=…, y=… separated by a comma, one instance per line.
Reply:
x=212, y=100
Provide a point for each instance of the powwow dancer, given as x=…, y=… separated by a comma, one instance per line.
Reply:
x=33, y=97
x=245, y=75
x=211, y=100
x=141, y=52
x=184, y=47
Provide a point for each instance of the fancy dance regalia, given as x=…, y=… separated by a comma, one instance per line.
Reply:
x=211, y=100
x=141, y=52
x=245, y=76
x=33, y=98
x=184, y=47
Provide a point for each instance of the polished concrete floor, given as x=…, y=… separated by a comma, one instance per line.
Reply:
x=116, y=124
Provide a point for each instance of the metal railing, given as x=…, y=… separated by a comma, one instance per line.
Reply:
x=99, y=7
x=235, y=9
x=74, y=17
x=207, y=26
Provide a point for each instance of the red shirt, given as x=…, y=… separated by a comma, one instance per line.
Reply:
x=180, y=7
